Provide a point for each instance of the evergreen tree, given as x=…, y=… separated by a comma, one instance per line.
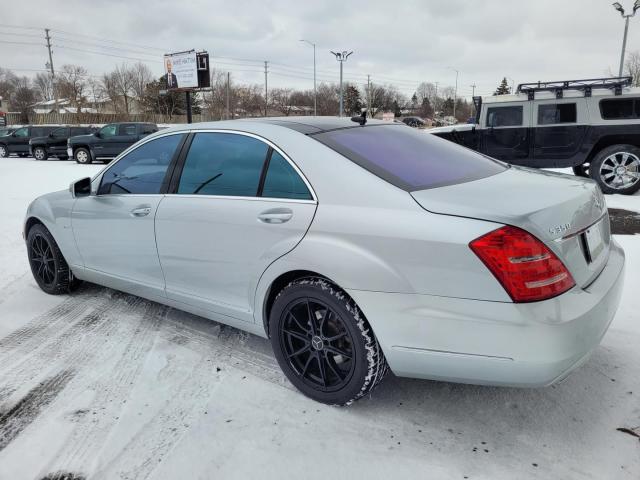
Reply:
x=503, y=88
x=352, y=100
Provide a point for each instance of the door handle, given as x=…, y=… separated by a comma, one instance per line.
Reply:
x=141, y=211
x=276, y=215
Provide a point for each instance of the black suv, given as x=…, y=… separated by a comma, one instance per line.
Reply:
x=592, y=126
x=18, y=141
x=55, y=144
x=108, y=142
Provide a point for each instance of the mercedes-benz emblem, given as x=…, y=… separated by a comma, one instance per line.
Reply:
x=317, y=343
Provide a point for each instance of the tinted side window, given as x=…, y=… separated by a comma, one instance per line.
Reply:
x=504, y=116
x=616, y=109
x=60, y=133
x=38, y=132
x=143, y=170
x=282, y=181
x=22, y=132
x=557, y=113
x=128, y=130
x=108, y=130
x=410, y=159
x=223, y=164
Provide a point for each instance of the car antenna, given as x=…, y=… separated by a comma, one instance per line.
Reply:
x=361, y=119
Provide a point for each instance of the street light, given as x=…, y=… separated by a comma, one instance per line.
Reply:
x=455, y=92
x=315, y=91
x=620, y=9
x=342, y=57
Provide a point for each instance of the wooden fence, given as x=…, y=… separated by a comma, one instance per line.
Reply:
x=100, y=118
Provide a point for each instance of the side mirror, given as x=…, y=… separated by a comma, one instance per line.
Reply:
x=81, y=188
x=97, y=134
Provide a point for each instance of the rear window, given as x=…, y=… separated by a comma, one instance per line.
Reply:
x=557, y=113
x=408, y=158
x=616, y=109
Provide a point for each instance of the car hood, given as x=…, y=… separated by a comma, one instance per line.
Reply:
x=552, y=206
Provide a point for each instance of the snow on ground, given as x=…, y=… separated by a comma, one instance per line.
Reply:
x=106, y=385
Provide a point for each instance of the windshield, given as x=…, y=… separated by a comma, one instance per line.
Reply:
x=408, y=158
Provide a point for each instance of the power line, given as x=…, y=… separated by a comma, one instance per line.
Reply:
x=22, y=43
x=108, y=54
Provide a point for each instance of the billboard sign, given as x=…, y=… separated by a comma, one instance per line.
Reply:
x=181, y=70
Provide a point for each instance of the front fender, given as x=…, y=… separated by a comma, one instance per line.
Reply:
x=53, y=210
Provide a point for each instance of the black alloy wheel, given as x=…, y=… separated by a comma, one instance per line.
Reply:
x=323, y=343
x=43, y=263
x=317, y=344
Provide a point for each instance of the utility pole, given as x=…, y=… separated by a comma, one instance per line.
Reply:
x=50, y=66
x=266, y=98
x=228, y=81
x=341, y=57
x=369, y=95
x=315, y=90
x=435, y=100
x=620, y=9
x=455, y=92
x=473, y=90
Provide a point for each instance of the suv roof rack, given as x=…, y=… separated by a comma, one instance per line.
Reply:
x=586, y=85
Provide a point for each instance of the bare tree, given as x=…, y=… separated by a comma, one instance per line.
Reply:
x=8, y=82
x=123, y=80
x=328, y=99
x=633, y=67
x=280, y=99
x=23, y=97
x=71, y=84
x=141, y=77
x=43, y=84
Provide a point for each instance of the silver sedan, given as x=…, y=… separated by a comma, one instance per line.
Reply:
x=354, y=248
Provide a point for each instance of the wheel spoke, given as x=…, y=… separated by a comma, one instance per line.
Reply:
x=301, y=326
x=306, y=365
x=297, y=335
x=336, y=337
x=312, y=319
x=337, y=351
x=330, y=362
x=300, y=351
x=321, y=368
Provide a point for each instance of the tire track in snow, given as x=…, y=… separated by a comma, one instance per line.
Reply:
x=23, y=413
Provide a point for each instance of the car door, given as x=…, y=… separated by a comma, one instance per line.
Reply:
x=559, y=129
x=58, y=141
x=506, y=133
x=106, y=143
x=18, y=141
x=237, y=204
x=114, y=227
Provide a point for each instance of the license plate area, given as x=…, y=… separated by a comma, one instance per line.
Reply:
x=593, y=241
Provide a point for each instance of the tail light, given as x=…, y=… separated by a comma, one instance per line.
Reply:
x=525, y=266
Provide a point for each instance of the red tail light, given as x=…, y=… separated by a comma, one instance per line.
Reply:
x=525, y=267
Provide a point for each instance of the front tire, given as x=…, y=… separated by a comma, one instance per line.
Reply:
x=48, y=265
x=83, y=156
x=4, y=152
x=617, y=169
x=323, y=343
x=39, y=153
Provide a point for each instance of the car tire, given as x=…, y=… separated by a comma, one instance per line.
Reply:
x=616, y=169
x=4, y=151
x=581, y=170
x=82, y=155
x=48, y=265
x=40, y=153
x=333, y=357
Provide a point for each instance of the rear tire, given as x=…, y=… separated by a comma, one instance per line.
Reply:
x=83, y=156
x=48, y=265
x=323, y=343
x=616, y=169
x=4, y=152
x=39, y=153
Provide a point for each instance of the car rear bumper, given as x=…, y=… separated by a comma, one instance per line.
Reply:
x=494, y=343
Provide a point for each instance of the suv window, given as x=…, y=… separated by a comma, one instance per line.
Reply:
x=408, y=158
x=282, y=181
x=504, y=116
x=143, y=170
x=557, y=113
x=148, y=128
x=108, y=131
x=22, y=132
x=620, y=108
x=128, y=130
x=79, y=131
x=60, y=133
x=223, y=164
x=38, y=132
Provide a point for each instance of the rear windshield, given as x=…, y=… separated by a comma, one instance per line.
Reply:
x=408, y=158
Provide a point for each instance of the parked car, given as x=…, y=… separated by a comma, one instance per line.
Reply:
x=18, y=141
x=590, y=125
x=353, y=248
x=55, y=144
x=414, y=121
x=108, y=142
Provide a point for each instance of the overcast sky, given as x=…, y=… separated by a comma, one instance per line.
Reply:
x=402, y=42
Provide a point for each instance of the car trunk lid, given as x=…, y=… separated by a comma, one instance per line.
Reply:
x=567, y=213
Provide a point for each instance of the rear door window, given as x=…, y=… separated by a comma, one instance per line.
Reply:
x=554, y=113
x=60, y=133
x=223, y=164
x=504, y=116
x=408, y=158
x=128, y=130
x=282, y=181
